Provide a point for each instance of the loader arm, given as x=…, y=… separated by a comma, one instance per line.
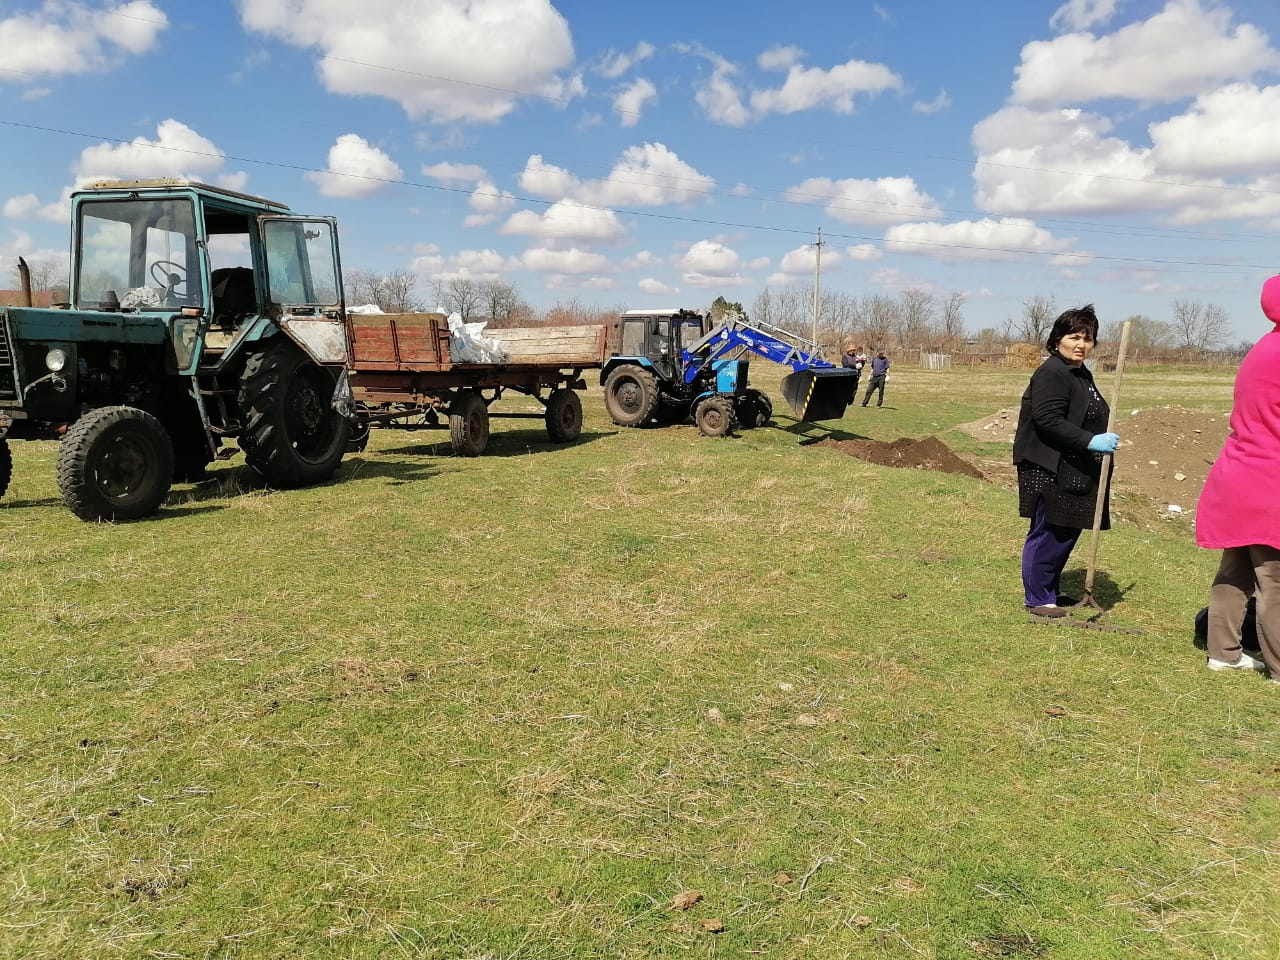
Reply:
x=816, y=389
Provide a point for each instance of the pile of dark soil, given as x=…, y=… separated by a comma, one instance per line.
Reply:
x=927, y=454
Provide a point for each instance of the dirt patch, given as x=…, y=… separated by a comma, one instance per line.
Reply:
x=1165, y=452
x=927, y=454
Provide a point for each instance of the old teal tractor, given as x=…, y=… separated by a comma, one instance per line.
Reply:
x=196, y=316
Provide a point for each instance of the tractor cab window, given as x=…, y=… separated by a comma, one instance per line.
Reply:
x=137, y=254
x=302, y=265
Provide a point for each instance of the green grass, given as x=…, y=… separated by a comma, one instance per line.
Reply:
x=509, y=707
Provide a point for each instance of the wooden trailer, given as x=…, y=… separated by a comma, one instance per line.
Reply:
x=401, y=370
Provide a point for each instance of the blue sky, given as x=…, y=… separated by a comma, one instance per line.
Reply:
x=1120, y=152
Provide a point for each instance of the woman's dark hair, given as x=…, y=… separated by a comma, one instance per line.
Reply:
x=1079, y=320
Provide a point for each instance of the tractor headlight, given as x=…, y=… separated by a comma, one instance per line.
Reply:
x=55, y=359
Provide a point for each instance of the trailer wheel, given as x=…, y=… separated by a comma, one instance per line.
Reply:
x=564, y=416
x=631, y=395
x=468, y=424
x=358, y=436
x=6, y=465
x=292, y=435
x=714, y=417
x=115, y=463
x=753, y=409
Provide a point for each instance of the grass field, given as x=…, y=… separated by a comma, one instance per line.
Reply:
x=515, y=706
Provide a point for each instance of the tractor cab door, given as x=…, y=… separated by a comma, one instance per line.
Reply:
x=654, y=339
x=304, y=283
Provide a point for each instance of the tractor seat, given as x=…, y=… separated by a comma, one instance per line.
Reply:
x=234, y=296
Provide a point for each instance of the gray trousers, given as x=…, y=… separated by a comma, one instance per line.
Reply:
x=1242, y=573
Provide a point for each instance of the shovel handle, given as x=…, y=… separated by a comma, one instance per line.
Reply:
x=1105, y=476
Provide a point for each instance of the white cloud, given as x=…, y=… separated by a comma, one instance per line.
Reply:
x=455, y=174
x=648, y=175
x=615, y=63
x=809, y=87
x=877, y=202
x=709, y=263
x=403, y=50
x=1082, y=14
x=598, y=283
x=477, y=265
x=1061, y=162
x=629, y=104
x=718, y=95
x=356, y=170
x=489, y=203
x=1232, y=130
x=864, y=252
x=566, y=221
x=803, y=260
x=177, y=151
x=642, y=259
x=779, y=58
x=571, y=261
x=656, y=287
x=1009, y=238
x=1182, y=50
x=65, y=37
x=936, y=105
x=21, y=207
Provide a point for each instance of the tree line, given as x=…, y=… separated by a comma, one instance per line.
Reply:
x=913, y=319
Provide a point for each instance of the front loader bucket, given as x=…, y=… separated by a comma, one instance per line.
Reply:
x=820, y=394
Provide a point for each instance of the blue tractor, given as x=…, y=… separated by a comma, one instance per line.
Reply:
x=668, y=367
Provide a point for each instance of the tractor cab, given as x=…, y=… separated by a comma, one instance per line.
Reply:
x=659, y=337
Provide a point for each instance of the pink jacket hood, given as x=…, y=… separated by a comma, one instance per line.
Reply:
x=1271, y=300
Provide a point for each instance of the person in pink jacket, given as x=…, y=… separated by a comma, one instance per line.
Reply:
x=1237, y=513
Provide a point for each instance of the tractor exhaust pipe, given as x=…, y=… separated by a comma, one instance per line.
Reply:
x=24, y=272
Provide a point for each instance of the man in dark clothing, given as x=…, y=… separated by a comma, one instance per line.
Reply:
x=879, y=370
x=854, y=360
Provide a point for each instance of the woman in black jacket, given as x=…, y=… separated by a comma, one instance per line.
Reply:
x=1058, y=451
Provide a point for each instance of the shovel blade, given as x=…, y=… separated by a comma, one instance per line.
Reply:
x=819, y=394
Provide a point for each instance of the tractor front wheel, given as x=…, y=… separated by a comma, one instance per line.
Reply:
x=631, y=395
x=115, y=463
x=714, y=417
x=754, y=409
x=564, y=416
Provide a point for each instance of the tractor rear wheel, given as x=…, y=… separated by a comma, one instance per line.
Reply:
x=6, y=465
x=292, y=434
x=468, y=424
x=631, y=395
x=115, y=463
x=714, y=417
x=753, y=409
x=564, y=416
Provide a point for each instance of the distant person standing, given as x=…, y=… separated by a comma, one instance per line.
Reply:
x=854, y=359
x=879, y=371
x=1237, y=512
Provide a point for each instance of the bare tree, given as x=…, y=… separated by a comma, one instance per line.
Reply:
x=762, y=308
x=503, y=303
x=1146, y=336
x=952, y=321
x=915, y=316
x=1199, y=326
x=879, y=316
x=1037, y=318
x=46, y=277
x=391, y=294
x=458, y=294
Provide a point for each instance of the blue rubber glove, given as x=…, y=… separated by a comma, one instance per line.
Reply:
x=1104, y=443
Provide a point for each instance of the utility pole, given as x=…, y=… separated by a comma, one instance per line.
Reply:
x=817, y=280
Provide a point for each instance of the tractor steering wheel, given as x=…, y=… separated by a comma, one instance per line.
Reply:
x=168, y=280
